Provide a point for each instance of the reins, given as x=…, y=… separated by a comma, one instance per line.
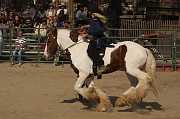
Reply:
x=81, y=41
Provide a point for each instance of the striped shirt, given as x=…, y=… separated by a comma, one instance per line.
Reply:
x=20, y=43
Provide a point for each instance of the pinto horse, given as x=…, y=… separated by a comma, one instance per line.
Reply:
x=138, y=63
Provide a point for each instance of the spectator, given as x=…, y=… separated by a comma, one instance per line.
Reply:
x=40, y=15
x=20, y=45
x=29, y=12
x=81, y=16
x=61, y=18
x=3, y=16
x=50, y=14
x=61, y=7
x=17, y=23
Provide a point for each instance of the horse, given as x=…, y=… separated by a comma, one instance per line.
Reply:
x=138, y=63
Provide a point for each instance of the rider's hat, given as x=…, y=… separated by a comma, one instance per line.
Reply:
x=100, y=17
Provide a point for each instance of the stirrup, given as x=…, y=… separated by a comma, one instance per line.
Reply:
x=100, y=69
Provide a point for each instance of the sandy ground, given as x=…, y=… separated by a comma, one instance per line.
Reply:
x=46, y=92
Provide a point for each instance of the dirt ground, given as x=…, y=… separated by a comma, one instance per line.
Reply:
x=45, y=91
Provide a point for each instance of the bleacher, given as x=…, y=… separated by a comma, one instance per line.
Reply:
x=34, y=47
x=34, y=50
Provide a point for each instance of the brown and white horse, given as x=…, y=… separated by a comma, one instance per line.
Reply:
x=138, y=63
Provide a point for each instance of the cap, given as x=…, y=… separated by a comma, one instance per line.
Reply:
x=100, y=17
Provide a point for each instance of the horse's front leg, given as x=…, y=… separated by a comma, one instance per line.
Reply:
x=102, y=100
x=98, y=96
x=91, y=93
x=78, y=87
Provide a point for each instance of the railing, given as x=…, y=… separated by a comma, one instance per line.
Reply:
x=35, y=46
x=166, y=42
x=166, y=46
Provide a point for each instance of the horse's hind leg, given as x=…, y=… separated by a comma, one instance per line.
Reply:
x=130, y=95
x=137, y=92
x=150, y=68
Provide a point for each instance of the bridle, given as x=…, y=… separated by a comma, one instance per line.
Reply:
x=79, y=42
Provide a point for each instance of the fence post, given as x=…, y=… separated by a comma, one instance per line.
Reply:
x=10, y=41
x=38, y=50
x=174, y=52
x=71, y=11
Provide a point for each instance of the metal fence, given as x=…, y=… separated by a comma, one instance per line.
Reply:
x=166, y=45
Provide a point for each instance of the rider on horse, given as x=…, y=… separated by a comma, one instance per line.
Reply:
x=96, y=46
x=94, y=32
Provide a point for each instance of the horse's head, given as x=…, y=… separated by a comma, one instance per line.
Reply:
x=51, y=43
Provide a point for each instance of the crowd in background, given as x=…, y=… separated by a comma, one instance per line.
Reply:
x=28, y=20
x=32, y=17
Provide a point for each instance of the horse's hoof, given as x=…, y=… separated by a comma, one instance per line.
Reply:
x=104, y=108
x=121, y=101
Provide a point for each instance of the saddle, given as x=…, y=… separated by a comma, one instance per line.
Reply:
x=96, y=48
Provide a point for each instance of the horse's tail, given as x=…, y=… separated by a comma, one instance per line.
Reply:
x=150, y=68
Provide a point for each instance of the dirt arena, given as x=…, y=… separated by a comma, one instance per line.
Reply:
x=44, y=91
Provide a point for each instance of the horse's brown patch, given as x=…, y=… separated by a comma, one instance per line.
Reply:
x=78, y=32
x=117, y=60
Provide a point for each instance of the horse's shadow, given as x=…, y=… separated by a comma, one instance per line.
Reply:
x=144, y=106
x=141, y=107
x=73, y=100
x=88, y=105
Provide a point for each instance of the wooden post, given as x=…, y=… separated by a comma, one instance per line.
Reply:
x=71, y=11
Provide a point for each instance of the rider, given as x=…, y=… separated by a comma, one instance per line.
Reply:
x=96, y=46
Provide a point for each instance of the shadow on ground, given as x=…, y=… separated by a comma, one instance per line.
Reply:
x=143, y=107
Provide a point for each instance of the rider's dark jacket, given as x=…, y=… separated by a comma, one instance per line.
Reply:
x=96, y=28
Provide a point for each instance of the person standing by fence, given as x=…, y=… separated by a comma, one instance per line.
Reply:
x=20, y=45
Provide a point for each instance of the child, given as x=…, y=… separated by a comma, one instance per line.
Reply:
x=20, y=45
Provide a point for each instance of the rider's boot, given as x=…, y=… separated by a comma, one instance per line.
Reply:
x=100, y=68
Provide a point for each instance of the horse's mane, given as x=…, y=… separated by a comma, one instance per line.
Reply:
x=74, y=35
x=52, y=31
